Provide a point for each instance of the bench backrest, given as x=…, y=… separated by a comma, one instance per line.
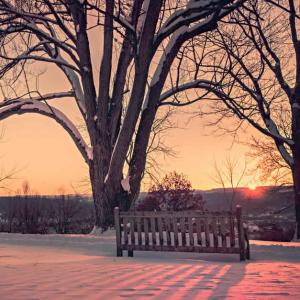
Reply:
x=188, y=231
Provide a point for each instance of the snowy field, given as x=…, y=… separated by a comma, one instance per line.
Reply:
x=85, y=267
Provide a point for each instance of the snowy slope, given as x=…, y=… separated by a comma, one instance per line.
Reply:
x=85, y=267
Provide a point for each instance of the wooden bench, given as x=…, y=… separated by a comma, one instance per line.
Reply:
x=182, y=231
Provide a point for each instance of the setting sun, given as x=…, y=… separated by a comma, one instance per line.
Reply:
x=252, y=187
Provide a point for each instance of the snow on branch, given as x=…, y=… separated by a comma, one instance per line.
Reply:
x=189, y=85
x=19, y=107
x=194, y=11
x=44, y=97
x=285, y=154
x=270, y=130
x=76, y=86
x=176, y=35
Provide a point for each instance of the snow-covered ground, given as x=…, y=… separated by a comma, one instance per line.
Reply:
x=85, y=267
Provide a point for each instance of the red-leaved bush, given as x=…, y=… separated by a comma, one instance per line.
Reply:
x=173, y=193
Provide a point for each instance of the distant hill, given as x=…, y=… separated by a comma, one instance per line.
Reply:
x=263, y=199
x=260, y=199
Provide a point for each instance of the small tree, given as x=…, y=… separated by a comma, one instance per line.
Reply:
x=173, y=193
x=5, y=176
x=229, y=175
x=65, y=209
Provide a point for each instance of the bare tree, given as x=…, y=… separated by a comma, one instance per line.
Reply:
x=252, y=63
x=230, y=174
x=64, y=210
x=6, y=175
x=140, y=43
x=272, y=168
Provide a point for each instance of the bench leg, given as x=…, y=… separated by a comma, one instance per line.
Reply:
x=242, y=255
x=119, y=252
x=130, y=253
x=248, y=251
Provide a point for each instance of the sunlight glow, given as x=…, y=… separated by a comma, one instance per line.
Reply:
x=252, y=187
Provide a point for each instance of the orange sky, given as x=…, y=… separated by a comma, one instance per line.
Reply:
x=46, y=157
x=49, y=161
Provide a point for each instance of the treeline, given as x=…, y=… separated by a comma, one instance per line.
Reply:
x=44, y=214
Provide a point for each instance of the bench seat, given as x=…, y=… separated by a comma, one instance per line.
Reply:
x=182, y=231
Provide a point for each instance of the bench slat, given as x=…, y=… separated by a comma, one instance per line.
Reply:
x=231, y=231
x=191, y=231
x=132, y=235
x=198, y=249
x=214, y=231
x=125, y=230
x=175, y=229
x=222, y=227
x=146, y=230
x=153, y=230
x=160, y=231
x=182, y=230
x=168, y=230
x=207, y=232
x=198, y=231
x=139, y=230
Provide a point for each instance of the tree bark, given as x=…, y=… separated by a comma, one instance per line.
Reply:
x=296, y=168
x=296, y=178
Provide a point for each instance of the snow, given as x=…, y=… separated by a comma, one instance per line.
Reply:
x=273, y=130
x=171, y=43
x=76, y=85
x=96, y=231
x=296, y=105
x=106, y=178
x=85, y=267
x=126, y=184
x=195, y=10
x=185, y=86
x=159, y=68
x=287, y=157
x=33, y=105
x=253, y=228
x=86, y=69
x=89, y=152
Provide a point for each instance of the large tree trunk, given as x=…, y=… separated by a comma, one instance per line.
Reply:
x=138, y=161
x=107, y=192
x=102, y=193
x=296, y=139
x=103, y=210
x=107, y=196
x=296, y=179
